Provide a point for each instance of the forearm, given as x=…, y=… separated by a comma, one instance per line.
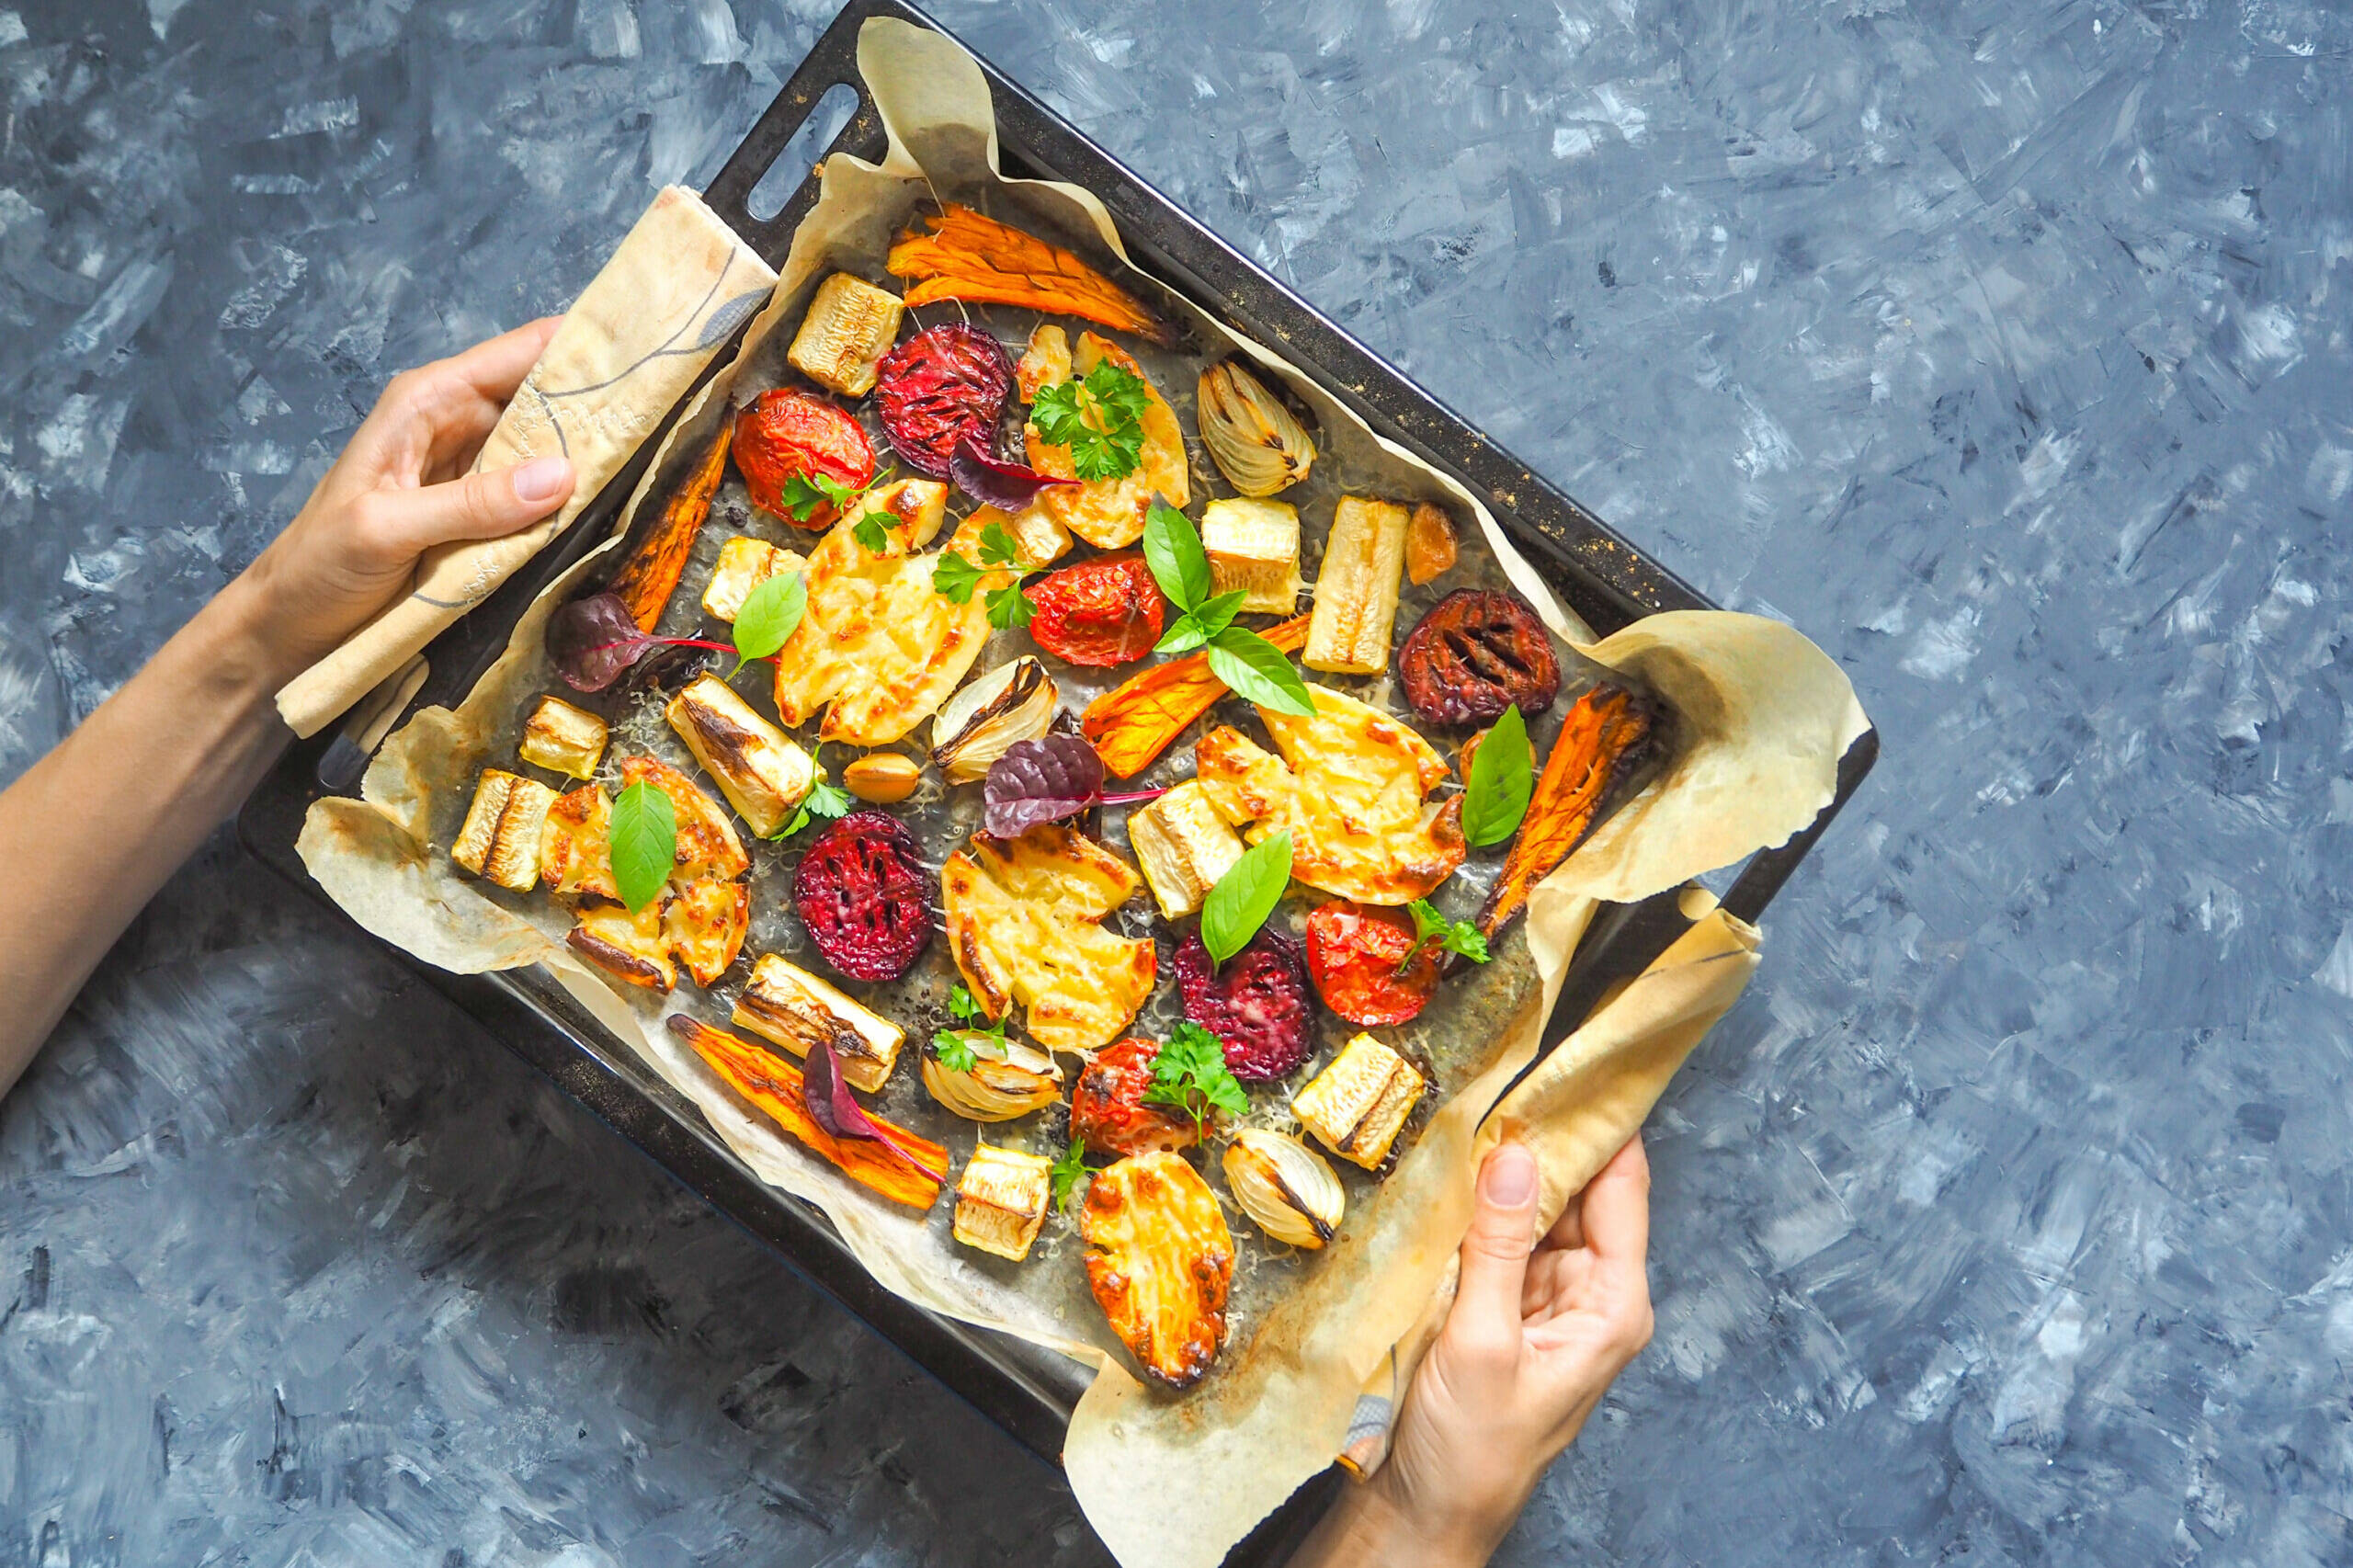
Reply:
x=91, y=830
x=1368, y=1528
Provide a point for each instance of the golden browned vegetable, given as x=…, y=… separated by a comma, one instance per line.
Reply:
x=704, y=922
x=1250, y=434
x=1109, y=512
x=563, y=739
x=1025, y=925
x=1253, y=547
x=963, y=256
x=1163, y=1264
x=1602, y=736
x=1429, y=544
x=884, y=777
x=629, y=947
x=650, y=576
x=850, y=325
x=501, y=836
x=1134, y=721
x=1359, y=1101
x=907, y=1170
x=761, y=772
x=1356, y=588
x=786, y=1003
x=1001, y=1200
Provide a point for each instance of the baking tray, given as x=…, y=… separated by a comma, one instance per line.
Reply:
x=1028, y=1391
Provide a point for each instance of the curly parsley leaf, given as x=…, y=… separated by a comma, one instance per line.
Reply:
x=955, y=578
x=1099, y=417
x=823, y=802
x=872, y=536
x=959, y=1050
x=1190, y=1074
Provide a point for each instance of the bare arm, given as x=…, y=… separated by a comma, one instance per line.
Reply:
x=90, y=831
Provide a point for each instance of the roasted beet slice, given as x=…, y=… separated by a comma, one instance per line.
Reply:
x=1255, y=1003
x=1475, y=653
x=865, y=896
x=941, y=385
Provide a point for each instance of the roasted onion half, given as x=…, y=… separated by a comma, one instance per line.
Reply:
x=1255, y=441
x=1285, y=1186
x=979, y=723
x=998, y=1087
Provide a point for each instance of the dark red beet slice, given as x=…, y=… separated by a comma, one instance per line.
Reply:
x=1474, y=655
x=1256, y=1002
x=864, y=895
x=939, y=386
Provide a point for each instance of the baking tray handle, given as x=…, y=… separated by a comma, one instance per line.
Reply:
x=832, y=64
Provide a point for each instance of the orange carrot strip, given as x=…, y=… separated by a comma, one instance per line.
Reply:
x=773, y=1085
x=1604, y=729
x=965, y=255
x=1134, y=721
x=651, y=575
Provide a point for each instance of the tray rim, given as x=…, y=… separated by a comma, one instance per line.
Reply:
x=1612, y=581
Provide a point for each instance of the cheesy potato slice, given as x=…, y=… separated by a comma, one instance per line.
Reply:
x=1108, y=513
x=1161, y=1264
x=707, y=843
x=1024, y=923
x=1349, y=789
x=877, y=647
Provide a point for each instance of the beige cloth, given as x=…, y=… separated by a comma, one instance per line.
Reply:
x=648, y=323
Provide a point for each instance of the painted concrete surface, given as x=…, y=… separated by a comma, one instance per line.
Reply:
x=2001, y=347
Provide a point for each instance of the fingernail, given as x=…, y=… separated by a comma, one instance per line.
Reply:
x=1509, y=1177
x=542, y=479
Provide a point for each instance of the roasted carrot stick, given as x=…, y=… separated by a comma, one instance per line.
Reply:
x=774, y=1085
x=1134, y=721
x=967, y=257
x=1601, y=736
x=651, y=575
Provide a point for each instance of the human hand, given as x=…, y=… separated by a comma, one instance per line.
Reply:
x=1531, y=1342
x=399, y=488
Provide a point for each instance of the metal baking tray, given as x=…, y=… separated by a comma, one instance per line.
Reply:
x=1027, y=1390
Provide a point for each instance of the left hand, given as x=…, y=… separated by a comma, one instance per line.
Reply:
x=400, y=487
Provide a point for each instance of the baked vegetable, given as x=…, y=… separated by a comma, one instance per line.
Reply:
x=850, y=325
x=1133, y=723
x=1253, y=547
x=1108, y=1112
x=707, y=845
x=1358, y=957
x=1101, y=612
x=1602, y=739
x=787, y=435
x=650, y=576
x=1255, y=1003
x=745, y=564
x=704, y=922
x=1109, y=512
x=563, y=739
x=1429, y=544
x=1476, y=653
x=990, y=1078
x=980, y=723
x=1285, y=1186
x=1357, y=588
x=912, y=1176
x=761, y=772
x=963, y=256
x=1250, y=434
x=864, y=895
x=1001, y=1200
x=1024, y=923
x=501, y=836
x=786, y=1003
x=1183, y=846
x=944, y=385
x=1361, y=1100
x=1161, y=1266
x=628, y=945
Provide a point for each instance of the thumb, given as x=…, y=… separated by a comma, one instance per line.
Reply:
x=485, y=505
x=1495, y=1250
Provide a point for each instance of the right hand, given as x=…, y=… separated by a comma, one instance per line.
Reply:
x=400, y=487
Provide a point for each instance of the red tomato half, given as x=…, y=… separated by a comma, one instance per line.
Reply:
x=1353, y=952
x=786, y=433
x=1108, y=1112
x=1105, y=611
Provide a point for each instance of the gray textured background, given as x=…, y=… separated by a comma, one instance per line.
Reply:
x=2002, y=347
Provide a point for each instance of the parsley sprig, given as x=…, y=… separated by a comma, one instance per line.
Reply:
x=1099, y=417
x=1431, y=929
x=960, y=1051
x=805, y=493
x=1253, y=668
x=955, y=578
x=823, y=802
x=1191, y=1074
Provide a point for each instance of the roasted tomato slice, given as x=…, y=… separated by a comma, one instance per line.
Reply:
x=1255, y=1003
x=1108, y=1112
x=1475, y=653
x=785, y=433
x=865, y=896
x=942, y=384
x=1352, y=951
x=1105, y=611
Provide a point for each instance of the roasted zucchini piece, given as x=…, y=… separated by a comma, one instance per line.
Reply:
x=1162, y=1264
x=563, y=739
x=850, y=325
x=745, y=564
x=500, y=839
x=1252, y=546
x=1183, y=846
x=1001, y=1200
x=787, y=1004
x=761, y=772
x=1359, y=1102
x=1356, y=588
x=630, y=947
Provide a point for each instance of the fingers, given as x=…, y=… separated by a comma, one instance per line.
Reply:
x=1616, y=1207
x=433, y=418
x=404, y=523
x=1486, y=1316
x=494, y=367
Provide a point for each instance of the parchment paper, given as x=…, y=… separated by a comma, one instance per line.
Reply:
x=1276, y=1408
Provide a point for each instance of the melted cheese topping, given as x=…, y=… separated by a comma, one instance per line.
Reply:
x=1165, y=1265
x=1349, y=789
x=1109, y=512
x=1022, y=921
x=704, y=925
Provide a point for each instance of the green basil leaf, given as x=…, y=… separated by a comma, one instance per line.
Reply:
x=1173, y=549
x=771, y=613
x=1502, y=773
x=1184, y=635
x=1215, y=615
x=1244, y=896
x=644, y=843
x=1257, y=671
